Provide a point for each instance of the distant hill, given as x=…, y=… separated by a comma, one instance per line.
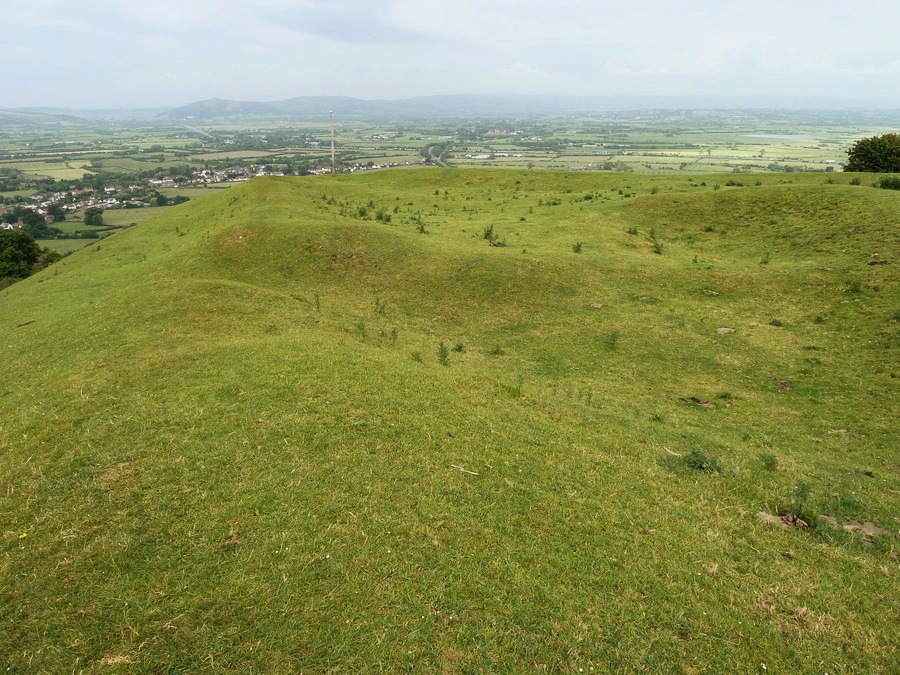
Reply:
x=220, y=107
x=465, y=105
x=42, y=111
x=49, y=115
x=456, y=105
x=25, y=118
x=461, y=421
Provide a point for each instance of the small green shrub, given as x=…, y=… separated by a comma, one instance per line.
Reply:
x=492, y=238
x=443, y=354
x=514, y=389
x=769, y=460
x=417, y=357
x=459, y=347
x=801, y=492
x=778, y=323
x=576, y=247
x=610, y=340
x=699, y=461
x=889, y=183
x=589, y=395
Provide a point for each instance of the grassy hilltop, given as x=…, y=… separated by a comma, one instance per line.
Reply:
x=324, y=425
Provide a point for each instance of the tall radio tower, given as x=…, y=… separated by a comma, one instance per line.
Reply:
x=331, y=112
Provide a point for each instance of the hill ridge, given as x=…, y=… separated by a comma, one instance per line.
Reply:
x=274, y=429
x=491, y=104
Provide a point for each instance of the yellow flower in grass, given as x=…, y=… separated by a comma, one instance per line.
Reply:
x=23, y=535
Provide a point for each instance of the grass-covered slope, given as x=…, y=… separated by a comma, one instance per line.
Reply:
x=231, y=439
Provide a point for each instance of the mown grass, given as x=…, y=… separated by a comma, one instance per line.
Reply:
x=223, y=456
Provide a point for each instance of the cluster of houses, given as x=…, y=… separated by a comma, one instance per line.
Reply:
x=237, y=174
x=74, y=200
x=127, y=197
x=356, y=168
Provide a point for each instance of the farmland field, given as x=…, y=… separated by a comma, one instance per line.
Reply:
x=235, y=154
x=686, y=142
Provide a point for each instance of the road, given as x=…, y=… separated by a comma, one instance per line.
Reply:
x=199, y=131
x=436, y=160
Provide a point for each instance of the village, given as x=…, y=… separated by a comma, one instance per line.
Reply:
x=54, y=207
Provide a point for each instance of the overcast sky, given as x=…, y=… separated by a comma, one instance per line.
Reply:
x=126, y=54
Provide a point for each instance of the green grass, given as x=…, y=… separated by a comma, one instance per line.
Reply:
x=224, y=457
x=65, y=245
x=17, y=193
x=195, y=192
x=113, y=219
x=126, y=217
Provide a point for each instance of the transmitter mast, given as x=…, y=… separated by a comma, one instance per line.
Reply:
x=331, y=112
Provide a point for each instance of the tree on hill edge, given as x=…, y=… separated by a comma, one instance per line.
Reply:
x=879, y=154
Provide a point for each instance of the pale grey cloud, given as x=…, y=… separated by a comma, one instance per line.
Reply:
x=357, y=23
x=120, y=53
